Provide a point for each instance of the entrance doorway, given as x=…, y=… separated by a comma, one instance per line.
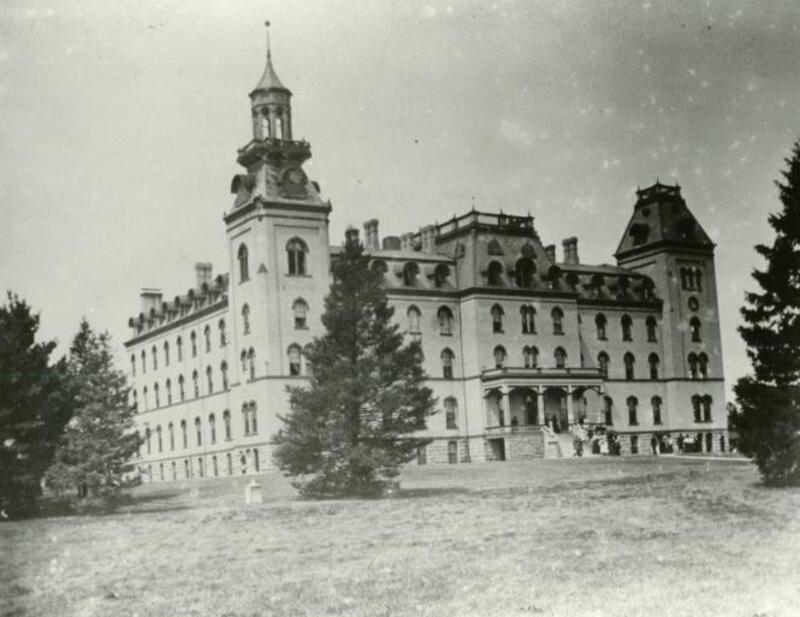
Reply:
x=497, y=447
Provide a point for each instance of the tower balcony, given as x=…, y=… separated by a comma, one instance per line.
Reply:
x=284, y=149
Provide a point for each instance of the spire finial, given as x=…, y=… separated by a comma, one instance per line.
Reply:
x=269, y=54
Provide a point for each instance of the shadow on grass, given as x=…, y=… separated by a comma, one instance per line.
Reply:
x=57, y=507
x=422, y=493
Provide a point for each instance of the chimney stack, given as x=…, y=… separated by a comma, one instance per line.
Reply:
x=407, y=242
x=371, y=241
x=550, y=251
x=150, y=299
x=571, y=251
x=351, y=235
x=203, y=273
x=427, y=236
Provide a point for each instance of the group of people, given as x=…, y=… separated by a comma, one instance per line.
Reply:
x=598, y=439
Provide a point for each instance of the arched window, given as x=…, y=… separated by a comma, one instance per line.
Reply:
x=300, y=309
x=450, y=412
x=210, y=379
x=447, y=363
x=244, y=267
x=445, y=316
x=528, y=314
x=440, y=275
x=226, y=420
x=198, y=431
x=145, y=398
x=147, y=438
x=494, y=248
x=499, y=356
x=279, y=127
x=452, y=452
x=135, y=400
x=307, y=357
x=296, y=256
x=702, y=365
x=626, y=323
x=187, y=470
x=294, y=354
x=694, y=328
x=244, y=361
x=223, y=368
x=201, y=469
x=193, y=339
x=530, y=357
x=692, y=360
x=410, y=272
x=706, y=408
x=494, y=273
x=181, y=388
x=653, y=361
x=156, y=395
x=650, y=324
x=196, y=382
x=133, y=365
x=179, y=345
x=223, y=338
x=174, y=467
x=629, y=361
x=171, y=431
x=413, y=315
x=561, y=357
x=600, y=322
x=246, y=319
x=633, y=404
x=251, y=363
x=166, y=353
x=169, y=391
x=656, y=403
x=184, y=434
x=215, y=465
x=698, y=414
x=155, y=358
x=207, y=334
x=525, y=271
x=497, y=318
x=230, y=463
x=212, y=428
x=608, y=410
x=558, y=320
x=144, y=362
x=158, y=439
x=602, y=364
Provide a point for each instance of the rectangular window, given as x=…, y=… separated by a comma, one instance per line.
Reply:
x=422, y=455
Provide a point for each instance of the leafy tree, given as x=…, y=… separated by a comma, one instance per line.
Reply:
x=351, y=430
x=769, y=420
x=34, y=407
x=94, y=454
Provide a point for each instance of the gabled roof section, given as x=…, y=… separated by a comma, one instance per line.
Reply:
x=661, y=218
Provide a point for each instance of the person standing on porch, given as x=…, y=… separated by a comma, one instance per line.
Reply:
x=578, y=437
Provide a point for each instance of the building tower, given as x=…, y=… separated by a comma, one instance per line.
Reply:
x=277, y=232
x=665, y=241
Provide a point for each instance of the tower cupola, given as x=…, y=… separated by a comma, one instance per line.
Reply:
x=270, y=104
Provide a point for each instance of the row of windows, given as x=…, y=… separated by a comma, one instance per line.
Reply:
x=249, y=416
x=452, y=453
x=296, y=251
x=207, y=337
x=528, y=322
x=201, y=467
x=223, y=369
x=299, y=310
x=701, y=406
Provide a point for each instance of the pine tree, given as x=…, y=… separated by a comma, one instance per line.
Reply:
x=34, y=407
x=94, y=454
x=769, y=420
x=349, y=433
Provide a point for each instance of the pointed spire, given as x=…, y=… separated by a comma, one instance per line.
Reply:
x=269, y=80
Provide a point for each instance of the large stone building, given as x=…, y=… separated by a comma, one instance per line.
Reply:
x=513, y=337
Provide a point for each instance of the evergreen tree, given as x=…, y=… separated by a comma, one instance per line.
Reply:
x=34, y=407
x=351, y=430
x=769, y=420
x=94, y=454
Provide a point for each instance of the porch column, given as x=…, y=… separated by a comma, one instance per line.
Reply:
x=570, y=411
x=503, y=408
x=540, y=405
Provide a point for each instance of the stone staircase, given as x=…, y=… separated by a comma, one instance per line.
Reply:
x=557, y=445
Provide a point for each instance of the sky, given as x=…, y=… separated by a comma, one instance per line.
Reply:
x=120, y=120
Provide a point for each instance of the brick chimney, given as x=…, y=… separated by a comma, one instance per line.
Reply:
x=550, y=251
x=203, y=272
x=427, y=236
x=150, y=299
x=371, y=241
x=571, y=251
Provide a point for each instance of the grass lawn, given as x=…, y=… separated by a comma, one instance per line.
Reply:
x=635, y=536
